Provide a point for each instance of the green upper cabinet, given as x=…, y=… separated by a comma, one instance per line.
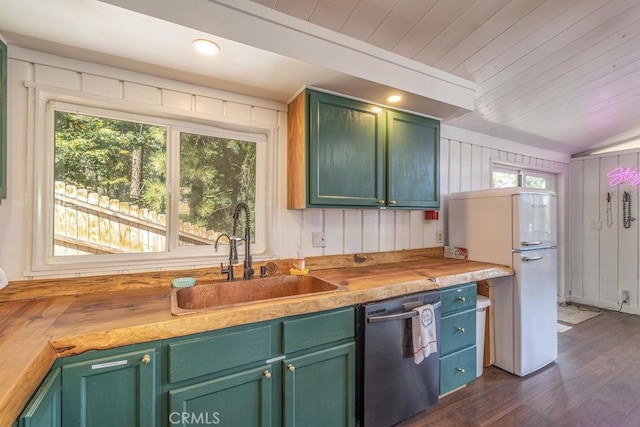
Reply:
x=3, y=120
x=413, y=166
x=347, y=153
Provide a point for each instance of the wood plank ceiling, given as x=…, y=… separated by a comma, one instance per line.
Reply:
x=558, y=74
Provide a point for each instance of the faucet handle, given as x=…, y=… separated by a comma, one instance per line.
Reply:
x=228, y=271
x=263, y=271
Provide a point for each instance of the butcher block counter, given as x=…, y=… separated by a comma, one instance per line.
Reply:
x=41, y=321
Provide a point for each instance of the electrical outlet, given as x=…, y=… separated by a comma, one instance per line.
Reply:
x=319, y=239
x=439, y=236
x=624, y=296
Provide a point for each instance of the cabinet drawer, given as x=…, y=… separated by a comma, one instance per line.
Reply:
x=457, y=369
x=204, y=355
x=458, y=298
x=299, y=334
x=457, y=331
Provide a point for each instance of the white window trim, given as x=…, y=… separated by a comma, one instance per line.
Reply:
x=40, y=261
x=541, y=171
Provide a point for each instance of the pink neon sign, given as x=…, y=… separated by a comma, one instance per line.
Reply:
x=621, y=175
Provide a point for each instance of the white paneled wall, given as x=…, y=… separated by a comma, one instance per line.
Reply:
x=466, y=159
x=465, y=165
x=603, y=255
x=31, y=72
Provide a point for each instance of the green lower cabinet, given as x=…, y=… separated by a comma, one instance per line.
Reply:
x=227, y=377
x=242, y=399
x=457, y=369
x=119, y=390
x=457, y=337
x=319, y=388
x=44, y=408
x=458, y=331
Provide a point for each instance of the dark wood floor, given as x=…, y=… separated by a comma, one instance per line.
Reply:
x=594, y=382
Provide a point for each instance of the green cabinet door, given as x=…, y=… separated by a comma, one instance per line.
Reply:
x=319, y=388
x=241, y=399
x=44, y=408
x=346, y=152
x=119, y=390
x=413, y=159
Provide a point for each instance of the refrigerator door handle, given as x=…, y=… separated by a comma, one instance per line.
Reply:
x=534, y=243
x=531, y=258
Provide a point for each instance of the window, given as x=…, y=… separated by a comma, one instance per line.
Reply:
x=132, y=188
x=503, y=178
x=507, y=176
x=109, y=185
x=215, y=174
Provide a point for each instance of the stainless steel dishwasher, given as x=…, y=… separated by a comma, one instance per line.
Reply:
x=390, y=387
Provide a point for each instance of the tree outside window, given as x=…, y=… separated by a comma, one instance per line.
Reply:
x=111, y=185
x=215, y=174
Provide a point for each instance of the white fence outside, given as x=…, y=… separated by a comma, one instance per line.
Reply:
x=87, y=223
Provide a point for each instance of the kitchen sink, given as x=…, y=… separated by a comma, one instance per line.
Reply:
x=210, y=295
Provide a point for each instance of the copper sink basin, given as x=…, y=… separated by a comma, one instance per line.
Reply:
x=218, y=294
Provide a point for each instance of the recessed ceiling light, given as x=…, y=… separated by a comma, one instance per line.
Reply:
x=206, y=47
x=394, y=98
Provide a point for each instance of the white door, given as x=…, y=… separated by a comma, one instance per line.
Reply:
x=535, y=218
x=535, y=309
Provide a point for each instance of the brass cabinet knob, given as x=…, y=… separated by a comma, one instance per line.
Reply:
x=291, y=368
x=460, y=329
x=146, y=359
x=381, y=202
x=392, y=202
x=463, y=299
x=461, y=370
x=267, y=374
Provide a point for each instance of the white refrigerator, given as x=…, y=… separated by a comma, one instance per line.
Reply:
x=515, y=227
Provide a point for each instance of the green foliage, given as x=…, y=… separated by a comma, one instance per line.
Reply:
x=127, y=161
x=95, y=153
x=216, y=174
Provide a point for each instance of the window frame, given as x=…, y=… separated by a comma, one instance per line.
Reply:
x=522, y=172
x=40, y=259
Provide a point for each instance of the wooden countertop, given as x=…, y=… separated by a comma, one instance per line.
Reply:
x=35, y=332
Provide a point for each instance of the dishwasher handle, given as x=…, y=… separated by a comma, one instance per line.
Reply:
x=398, y=316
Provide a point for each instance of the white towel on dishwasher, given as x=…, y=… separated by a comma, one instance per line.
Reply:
x=424, y=333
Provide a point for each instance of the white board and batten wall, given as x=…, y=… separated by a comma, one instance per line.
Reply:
x=603, y=255
x=466, y=160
